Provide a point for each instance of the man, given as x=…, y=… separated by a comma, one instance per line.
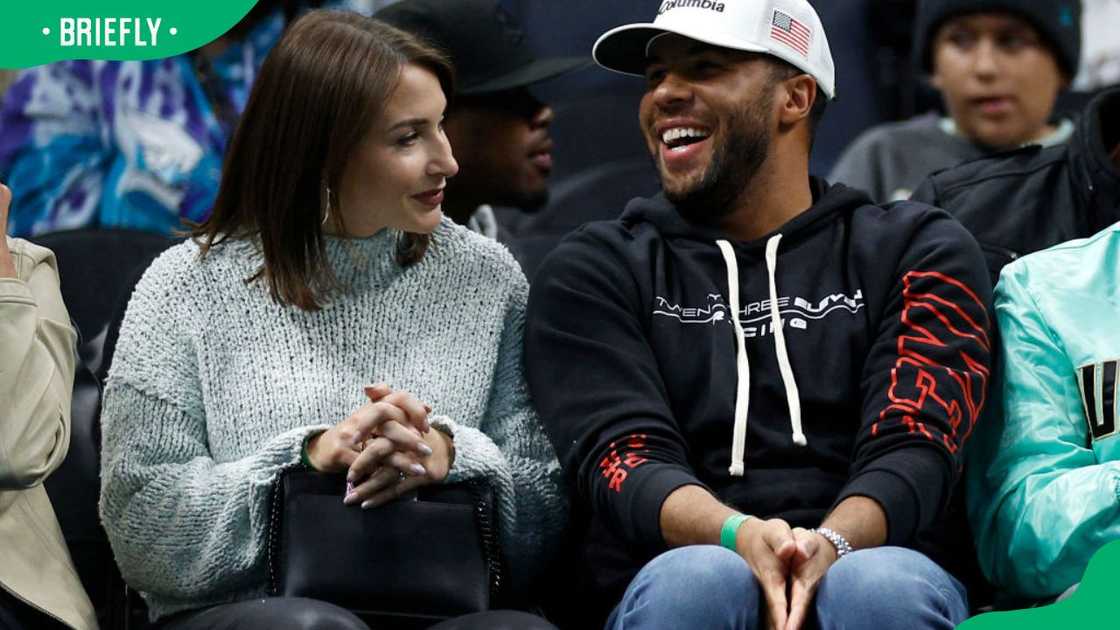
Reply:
x=755, y=342
x=131, y=144
x=497, y=128
x=1022, y=202
x=999, y=65
x=38, y=585
x=1042, y=473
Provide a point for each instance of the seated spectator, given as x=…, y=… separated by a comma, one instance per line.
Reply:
x=244, y=350
x=1042, y=474
x=497, y=127
x=38, y=585
x=758, y=384
x=999, y=65
x=1025, y=201
x=130, y=144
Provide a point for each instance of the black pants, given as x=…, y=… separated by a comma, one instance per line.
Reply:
x=295, y=613
x=16, y=615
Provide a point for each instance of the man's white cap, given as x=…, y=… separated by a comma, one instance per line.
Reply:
x=790, y=30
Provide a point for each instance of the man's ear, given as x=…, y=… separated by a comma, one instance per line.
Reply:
x=800, y=94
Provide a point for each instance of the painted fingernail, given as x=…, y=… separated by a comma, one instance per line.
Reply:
x=367, y=504
x=424, y=448
x=417, y=470
x=349, y=487
x=350, y=496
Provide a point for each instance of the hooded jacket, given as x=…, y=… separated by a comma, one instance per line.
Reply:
x=1027, y=200
x=844, y=354
x=1045, y=499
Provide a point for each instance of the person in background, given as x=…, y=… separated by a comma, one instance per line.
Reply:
x=999, y=65
x=497, y=127
x=1034, y=198
x=759, y=384
x=1042, y=469
x=130, y=144
x=244, y=350
x=39, y=588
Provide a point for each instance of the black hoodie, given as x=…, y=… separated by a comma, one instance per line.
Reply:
x=869, y=385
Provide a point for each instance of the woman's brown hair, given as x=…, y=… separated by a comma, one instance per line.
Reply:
x=318, y=92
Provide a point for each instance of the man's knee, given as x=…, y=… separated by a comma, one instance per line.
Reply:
x=888, y=584
x=699, y=586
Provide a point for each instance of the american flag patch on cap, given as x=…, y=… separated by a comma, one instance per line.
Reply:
x=790, y=32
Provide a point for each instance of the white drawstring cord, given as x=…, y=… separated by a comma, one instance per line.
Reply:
x=743, y=366
x=792, y=397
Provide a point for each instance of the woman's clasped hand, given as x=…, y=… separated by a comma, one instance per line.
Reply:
x=386, y=447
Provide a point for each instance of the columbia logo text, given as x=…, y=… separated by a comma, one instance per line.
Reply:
x=710, y=5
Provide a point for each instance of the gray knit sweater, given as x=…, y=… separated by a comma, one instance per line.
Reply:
x=214, y=387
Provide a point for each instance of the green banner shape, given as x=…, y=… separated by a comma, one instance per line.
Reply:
x=34, y=33
x=1090, y=607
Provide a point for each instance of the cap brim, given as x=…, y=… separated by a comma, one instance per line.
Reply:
x=539, y=70
x=623, y=49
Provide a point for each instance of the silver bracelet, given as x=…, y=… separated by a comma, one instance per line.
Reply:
x=843, y=548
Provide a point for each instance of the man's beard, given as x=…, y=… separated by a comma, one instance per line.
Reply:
x=734, y=165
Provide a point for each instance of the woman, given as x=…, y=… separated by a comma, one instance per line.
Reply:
x=38, y=585
x=326, y=264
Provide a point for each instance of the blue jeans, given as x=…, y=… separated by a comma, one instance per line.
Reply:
x=712, y=588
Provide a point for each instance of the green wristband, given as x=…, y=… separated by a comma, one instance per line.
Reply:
x=730, y=530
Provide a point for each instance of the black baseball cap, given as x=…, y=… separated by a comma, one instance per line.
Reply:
x=484, y=42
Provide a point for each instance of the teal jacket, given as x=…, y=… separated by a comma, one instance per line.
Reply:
x=1043, y=484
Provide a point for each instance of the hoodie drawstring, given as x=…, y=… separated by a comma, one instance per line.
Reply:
x=743, y=366
x=743, y=390
x=793, y=398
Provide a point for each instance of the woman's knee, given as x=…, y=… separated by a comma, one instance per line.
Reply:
x=298, y=613
x=275, y=613
x=312, y=614
x=496, y=620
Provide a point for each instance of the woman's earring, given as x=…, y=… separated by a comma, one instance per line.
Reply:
x=327, y=207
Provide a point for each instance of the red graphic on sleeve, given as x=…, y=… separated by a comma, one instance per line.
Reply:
x=621, y=459
x=940, y=372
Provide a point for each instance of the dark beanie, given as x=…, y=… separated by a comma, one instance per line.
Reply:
x=1057, y=21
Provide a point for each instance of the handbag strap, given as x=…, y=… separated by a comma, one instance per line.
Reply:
x=488, y=530
x=274, y=509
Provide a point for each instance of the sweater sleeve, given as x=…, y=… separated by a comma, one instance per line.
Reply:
x=1040, y=501
x=598, y=387
x=510, y=449
x=182, y=525
x=925, y=379
x=36, y=372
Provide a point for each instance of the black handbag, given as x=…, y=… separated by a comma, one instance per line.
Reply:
x=423, y=558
